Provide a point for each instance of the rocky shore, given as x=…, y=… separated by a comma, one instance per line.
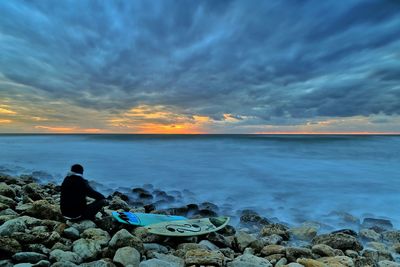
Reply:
x=33, y=233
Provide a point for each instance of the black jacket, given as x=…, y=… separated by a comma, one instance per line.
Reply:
x=74, y=191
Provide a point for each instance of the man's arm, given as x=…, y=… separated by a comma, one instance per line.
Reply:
x=90, y=192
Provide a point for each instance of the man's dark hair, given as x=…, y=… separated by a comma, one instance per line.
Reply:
x=77, y=168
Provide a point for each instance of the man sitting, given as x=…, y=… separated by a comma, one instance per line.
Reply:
x=74, y=191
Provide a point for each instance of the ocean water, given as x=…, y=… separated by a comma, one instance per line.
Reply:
x=290, y=178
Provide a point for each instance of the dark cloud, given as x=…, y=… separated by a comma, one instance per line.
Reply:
x=258, y=59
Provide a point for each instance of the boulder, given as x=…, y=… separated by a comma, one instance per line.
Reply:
x=127, y=256
x=338, y=241
x=8, y=201
x=157, y=263
x=243, y=240
x=248, y=260
x=86, y=249
x=277, y=229
x=323, y=250
x=31, y=257
x=64, y=264
x=42, y=209
x=6, y=190
x=33, y=191
x=306, y=231
x=97, y=235
x=293, y=253
x=123, y=238
x=386, y=263
x=337, y=261
x=272, y=249
x=370, y=235
x=379, y=225
x=11, y=226
x=391, y=236
x=65, y=256
x=83, y=225
x=169, y=258
x=204, y=257
x=99, y=263
x=154, y=247
x=8, y=246
x=310, y=263
x=71, y=233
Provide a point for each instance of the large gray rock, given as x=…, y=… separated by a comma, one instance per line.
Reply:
x=99, y=263
x=127, y=256
x=7, y=190
x=31, y=257
x=11, y=226
x=157, y=263
x=324, y=250
x=387, y=263
x=65, y=256
x=97, y=235
x=293, y=253
x=123, y=238
x=42, y=209
x=71, y=233
x=9, y=246
x=64, y=264
x=169, y=258
x=248, y=260
x=83, y=225
x=306, y=231
x=370, y=235
x=243, y=240
x=391, y=236
x=86, y=249
x=8, y=201
x=154, y=247
x=338, y=241
x=204, y=257
x=277, y=229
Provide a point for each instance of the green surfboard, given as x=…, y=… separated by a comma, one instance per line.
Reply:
x=188, y=227
x=143, y=219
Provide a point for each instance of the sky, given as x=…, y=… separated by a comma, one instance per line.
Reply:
x=205, y=66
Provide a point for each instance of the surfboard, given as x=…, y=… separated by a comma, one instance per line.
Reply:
x=143, y=219
x=189, y=227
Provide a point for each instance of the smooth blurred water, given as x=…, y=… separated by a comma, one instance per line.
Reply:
x=293, y=178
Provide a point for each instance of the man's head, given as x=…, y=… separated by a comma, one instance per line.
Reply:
x=77, y=168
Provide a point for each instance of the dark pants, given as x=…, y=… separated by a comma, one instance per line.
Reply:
x=93, y=208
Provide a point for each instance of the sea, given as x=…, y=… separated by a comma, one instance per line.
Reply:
x=335, y=180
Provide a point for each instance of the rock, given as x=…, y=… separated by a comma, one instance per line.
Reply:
x=310, y=263
x=396, y=247
x=243, y=240
x=124, y=239
x=61, y=246
x=391, y=236
x=208, y=245
x=338, y=241
x=272, y=249
x=337, y=261
x=6, y=190
x=127, y=256
x=64, y=264
x=31, y=257
x=99, y=263
x=83, y=225
x=281, y=262
x=33, y=191
x=218, y=239
x=154, y=247
x=370, y=235
x=8, y=202
x=157, y=263
x=99, y=236
x=118, y=204
x=42, y=263
x=277, y=229
x=145, y=236
x=293, y=253
x=323, y=250
x=377, y=246
x=248, y=260
x=23, y=265
x=120, y=195
x=377, y=255
x=11, y=226
x=386, y=263
x=169, y=258
x=306, y=231
x=251, y=218
x=6, y=263
x=294, y=264
x=379, y=225
x=204, y=257
x=65, y=256
x=9, y=246
x=345, y=231
x=42, y=209
x=350, y=253
x=8, y=211
x=71, y=233
x=86, y=249
x=271, y=239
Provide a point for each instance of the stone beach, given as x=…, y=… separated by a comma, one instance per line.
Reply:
x=33, y=233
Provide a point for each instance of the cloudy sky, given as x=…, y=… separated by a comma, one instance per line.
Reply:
x=200, y=66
